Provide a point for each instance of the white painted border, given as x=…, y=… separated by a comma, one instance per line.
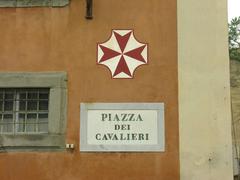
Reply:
x=204, y=91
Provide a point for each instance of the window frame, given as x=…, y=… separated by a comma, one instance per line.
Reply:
x=55, y=138
x=33, y=3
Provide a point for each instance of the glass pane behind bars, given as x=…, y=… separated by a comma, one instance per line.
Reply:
x=24, y=110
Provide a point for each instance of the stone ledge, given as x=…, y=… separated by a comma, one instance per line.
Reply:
x=33, y=3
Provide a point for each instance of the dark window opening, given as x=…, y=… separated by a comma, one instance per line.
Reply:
x=24, y=110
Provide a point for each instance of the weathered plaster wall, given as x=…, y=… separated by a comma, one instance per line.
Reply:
x=60, y=39
x=204, y=94
x=235, y=97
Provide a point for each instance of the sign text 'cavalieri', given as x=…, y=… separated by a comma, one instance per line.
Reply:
x=122, y=127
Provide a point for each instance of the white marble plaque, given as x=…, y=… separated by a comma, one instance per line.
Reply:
x=122, y=127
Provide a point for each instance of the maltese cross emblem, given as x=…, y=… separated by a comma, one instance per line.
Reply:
x=122, y=54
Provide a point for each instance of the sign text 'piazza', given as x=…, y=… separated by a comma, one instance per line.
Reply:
x=122, y=127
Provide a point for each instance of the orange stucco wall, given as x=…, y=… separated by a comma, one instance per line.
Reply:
x=60, y=39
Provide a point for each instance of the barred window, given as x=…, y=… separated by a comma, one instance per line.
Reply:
x=24, y=110
x=33, y=111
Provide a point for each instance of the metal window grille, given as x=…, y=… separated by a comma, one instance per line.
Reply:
x=24, y=110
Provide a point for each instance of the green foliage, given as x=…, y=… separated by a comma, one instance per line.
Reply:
x=234, y=38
